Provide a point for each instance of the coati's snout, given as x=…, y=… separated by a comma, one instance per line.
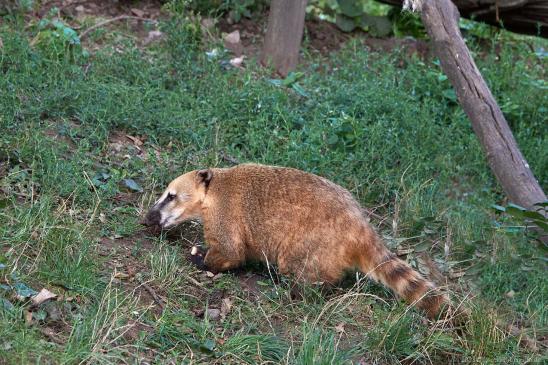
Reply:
x=181, y=201
x=152, y=218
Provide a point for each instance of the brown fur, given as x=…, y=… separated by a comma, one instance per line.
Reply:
x=308, y=226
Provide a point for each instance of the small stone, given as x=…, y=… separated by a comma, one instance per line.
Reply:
x=137, y=12
x=232, y=43
x=207, y=23
x=152, y=36
x=213, y=314
x=510, y=294
x=233, y=37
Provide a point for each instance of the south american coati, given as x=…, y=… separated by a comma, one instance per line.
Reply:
x=310, y=227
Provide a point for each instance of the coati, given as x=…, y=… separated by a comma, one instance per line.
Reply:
x=307, y=225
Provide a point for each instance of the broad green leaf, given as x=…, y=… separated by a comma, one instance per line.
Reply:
x=423, y=246
x=345, y=23
x=499, y=208
x=292, y=78
x=516, y=206
x=208, y=345
x=39, y=315
x=4, y=203
x=6, y=304
x=299, y=90
x=24, y=291
x=541, y=224
x=515, y=212
x=379, y=26
x=450, y=94
x=350, y=8
x=332, y=139
x=275, y=82
x=132, y=185
x=534, y=215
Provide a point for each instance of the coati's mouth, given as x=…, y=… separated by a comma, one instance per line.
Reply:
x=156, y=218
x=152, y=218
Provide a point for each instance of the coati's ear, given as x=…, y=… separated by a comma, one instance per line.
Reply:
x=204, y=176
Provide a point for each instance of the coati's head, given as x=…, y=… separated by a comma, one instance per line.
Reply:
x=182, y=200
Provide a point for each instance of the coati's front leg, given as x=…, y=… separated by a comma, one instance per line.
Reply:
x=217, y=260
x=226, y=249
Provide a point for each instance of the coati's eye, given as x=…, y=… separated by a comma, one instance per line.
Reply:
x=170, y=197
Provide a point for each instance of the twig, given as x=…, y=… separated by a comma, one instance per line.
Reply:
x=105, y=22
x=152, y=294
x=381, y=219
x=49, y=333
x=229, y=159
x=195, y=282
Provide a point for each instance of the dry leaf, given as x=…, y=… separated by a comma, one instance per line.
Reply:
x=226, y=305
x=454, y=274
x=209, y=274
x=340, y=328
x=524, y=339
x=207, y=23
x=510, y=294
x=137, y=12
x=233, y=44
x=135, y=140
x=152, y=36
x=233, y=37
x=237, y=61
x=28, y=317
x=121, y=275
x=131, y=270
x=42, y=296
x=400, y=251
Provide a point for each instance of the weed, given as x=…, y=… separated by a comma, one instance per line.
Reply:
x=385, y=126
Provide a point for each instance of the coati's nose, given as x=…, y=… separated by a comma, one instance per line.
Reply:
x=152, y=218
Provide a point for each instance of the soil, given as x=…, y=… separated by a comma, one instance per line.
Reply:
x=102, y=8
x=320, y=36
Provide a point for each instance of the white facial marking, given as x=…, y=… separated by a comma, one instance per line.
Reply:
x=171, y=219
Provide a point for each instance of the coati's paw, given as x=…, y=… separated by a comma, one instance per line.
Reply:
x=197, y=257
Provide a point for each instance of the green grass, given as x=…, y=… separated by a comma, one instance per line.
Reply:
x=385, y=126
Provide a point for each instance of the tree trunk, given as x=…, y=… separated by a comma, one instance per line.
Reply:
x=520, y=16
x=283, y=35
x=440, y=18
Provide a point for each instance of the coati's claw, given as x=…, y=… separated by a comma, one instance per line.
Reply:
x=197, y=257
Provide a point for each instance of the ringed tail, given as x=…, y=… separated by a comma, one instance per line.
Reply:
x=401, y=278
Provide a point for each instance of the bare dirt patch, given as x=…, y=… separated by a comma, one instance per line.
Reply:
x=102, y=8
